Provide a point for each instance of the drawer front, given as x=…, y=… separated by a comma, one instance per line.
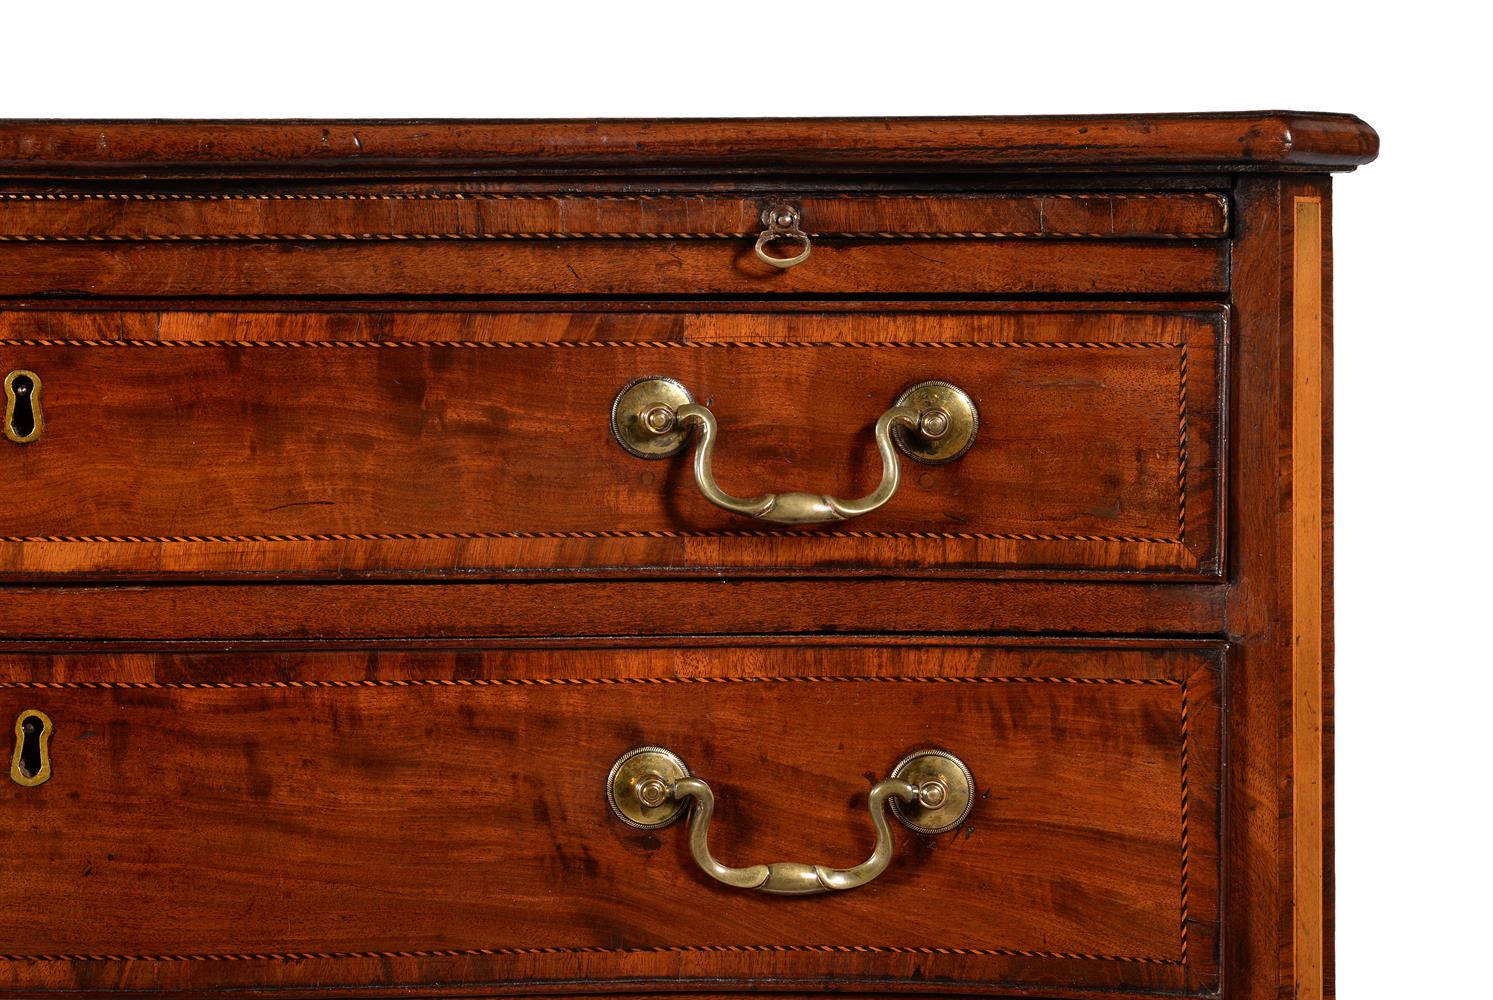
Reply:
x=375, y=242
x=449, y=444
x=383, y=819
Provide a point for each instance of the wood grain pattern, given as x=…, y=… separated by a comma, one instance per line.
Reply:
x=366, y=611
x=305, y=576
x=113, y=216
x=255, y=444
x=613, y=267
x=1276, y=862
x=1245, y=140
x=269, y=784
x=1306, y=582
x=1329, y=887
x=1258, y=909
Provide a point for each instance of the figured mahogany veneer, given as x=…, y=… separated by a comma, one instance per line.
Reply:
x=638, y=265
x=294, y=801
x=339, y=599
x=424, y=444
x=312, y=215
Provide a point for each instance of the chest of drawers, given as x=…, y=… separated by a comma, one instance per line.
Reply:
x=489, y=558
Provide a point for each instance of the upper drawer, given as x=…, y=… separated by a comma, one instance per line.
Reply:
x=447, y=444
x=480, y=243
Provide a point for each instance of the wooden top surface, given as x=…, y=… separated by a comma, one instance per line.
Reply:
x=1258, y=140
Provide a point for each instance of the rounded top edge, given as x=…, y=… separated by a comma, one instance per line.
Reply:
x=1231, y=140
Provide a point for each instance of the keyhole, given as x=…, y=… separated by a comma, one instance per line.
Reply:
x=23, y=421
x=30, y=746
x=31, y=763
x=22, y=407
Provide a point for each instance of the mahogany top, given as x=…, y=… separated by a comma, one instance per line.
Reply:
x=1255, y=140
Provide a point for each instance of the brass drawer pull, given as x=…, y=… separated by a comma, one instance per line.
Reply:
x=782, y=224
x=930, y=791
x=933, y=423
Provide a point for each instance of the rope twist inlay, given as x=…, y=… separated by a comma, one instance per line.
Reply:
x=564, y=344
x=717, y=949
x=976, y=536
x=396, y=682
x=291, y=956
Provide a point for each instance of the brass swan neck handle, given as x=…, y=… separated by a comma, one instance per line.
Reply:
x=932, y=422
x=930, y=791
x=791, y=878
x=797, y=508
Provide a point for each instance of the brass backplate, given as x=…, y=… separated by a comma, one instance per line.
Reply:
x=959, y=791
x=632, y=769
x=652, y=396
x=940, y=439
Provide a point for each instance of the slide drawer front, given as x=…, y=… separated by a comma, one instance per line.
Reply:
x=440, y=241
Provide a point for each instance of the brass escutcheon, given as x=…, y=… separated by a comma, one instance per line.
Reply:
x=31, y=761
x=23, y=420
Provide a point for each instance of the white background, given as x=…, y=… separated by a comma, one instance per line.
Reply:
x=1413, y=264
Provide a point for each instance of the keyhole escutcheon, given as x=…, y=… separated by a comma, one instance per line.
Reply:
x=22, y=406
x=31, y=763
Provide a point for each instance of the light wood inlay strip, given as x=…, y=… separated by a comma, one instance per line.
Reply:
x=1306, y=578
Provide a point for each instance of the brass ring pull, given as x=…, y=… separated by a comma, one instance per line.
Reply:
x=933, y=422
x=930, y=791
x=782, y=224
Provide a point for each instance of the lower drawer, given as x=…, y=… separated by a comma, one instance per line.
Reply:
x=378, y=820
